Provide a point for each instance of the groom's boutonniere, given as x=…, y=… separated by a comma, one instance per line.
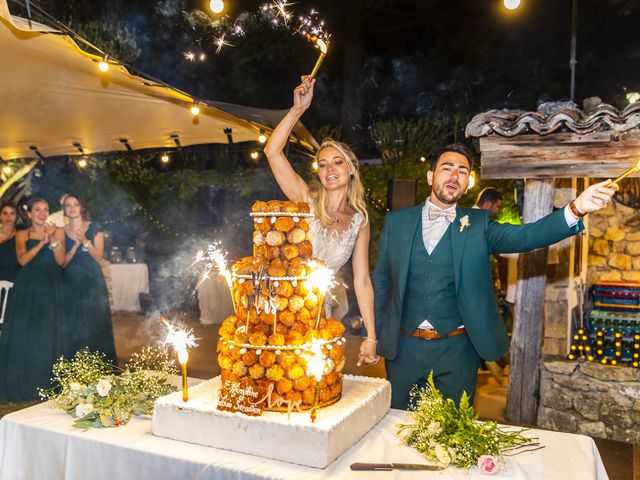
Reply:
x=464, y=222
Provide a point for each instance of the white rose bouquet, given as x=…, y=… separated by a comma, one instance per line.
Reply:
x=99, y=394
x=447, y=434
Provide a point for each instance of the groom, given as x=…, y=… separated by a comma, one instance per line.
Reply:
x=435, y=308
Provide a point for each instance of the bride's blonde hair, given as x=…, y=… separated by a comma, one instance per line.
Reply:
x=355, y=190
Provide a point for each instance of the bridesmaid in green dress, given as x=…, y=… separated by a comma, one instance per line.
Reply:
x=34, y=335
x=9, y=265
x=86, y=299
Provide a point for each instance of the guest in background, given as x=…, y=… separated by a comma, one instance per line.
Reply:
x=34, y=335
x=9, y=265
x=489, y=199
x=86, y=300
x=57, y=217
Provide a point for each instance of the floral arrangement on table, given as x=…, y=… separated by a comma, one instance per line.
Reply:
x=451, y=435
x=98, y=394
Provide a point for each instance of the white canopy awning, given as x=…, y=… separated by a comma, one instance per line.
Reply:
x=53, y=99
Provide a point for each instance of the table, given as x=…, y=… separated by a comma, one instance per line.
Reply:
x=128, y=281
x=39, y=442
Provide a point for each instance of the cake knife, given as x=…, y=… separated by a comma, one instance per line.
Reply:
x=385, y=467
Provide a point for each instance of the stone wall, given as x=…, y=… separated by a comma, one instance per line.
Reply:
x=614, y=244
x=560, y=293
x=590, y=399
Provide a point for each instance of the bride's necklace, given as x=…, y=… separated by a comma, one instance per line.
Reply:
x=336, y=214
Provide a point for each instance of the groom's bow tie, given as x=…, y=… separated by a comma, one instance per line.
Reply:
x=435, y=213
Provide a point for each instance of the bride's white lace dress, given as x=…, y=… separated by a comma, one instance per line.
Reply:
x=334, y=248
x=331, y=246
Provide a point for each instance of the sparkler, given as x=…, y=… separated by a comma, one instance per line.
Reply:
x=323, y=53
x=181, y=340
x=631, y=171
x=316, y=362
x=320, y=279
x=214, y=257
x=220, y=42
x=281, y=8
x=277, y=15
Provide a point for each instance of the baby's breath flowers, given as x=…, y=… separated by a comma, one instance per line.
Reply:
x=447, y=434
x=99, y=394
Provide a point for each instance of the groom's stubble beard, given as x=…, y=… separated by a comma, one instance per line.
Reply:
x=444, y=196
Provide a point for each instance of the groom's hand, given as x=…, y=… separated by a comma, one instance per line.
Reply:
x=595, y=197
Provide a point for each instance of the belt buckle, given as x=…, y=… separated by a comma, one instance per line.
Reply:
x=425, y=337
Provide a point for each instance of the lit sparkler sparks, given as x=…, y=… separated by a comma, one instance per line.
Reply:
x=321, y=278
x=316, y=363
x=278, y=14
x=190, y=56
x=281, y=8
x=215, y=257
x=220, y=42
x=181, y=340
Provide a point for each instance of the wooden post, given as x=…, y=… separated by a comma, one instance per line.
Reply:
x=526, y=341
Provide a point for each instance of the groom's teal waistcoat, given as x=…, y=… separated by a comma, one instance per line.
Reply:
x=430, y=293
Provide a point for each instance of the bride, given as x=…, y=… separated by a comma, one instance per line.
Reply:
x=341, y=224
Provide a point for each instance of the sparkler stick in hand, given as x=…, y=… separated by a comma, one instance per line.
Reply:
x=631, y=171
x=323, y=46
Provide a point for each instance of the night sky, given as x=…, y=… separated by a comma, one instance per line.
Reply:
x=388, y=59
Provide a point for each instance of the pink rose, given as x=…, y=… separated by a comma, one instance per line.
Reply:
x=488, y=464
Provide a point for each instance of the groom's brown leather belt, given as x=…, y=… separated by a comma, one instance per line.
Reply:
x=431, y=334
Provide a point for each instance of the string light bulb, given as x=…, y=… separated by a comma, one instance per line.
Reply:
x=511, y=4
x=423, y=159
x=472, y=180
x=262, y=138
x=165, y=158
x=254, y=155
x=82, y=163
x=314, y=165
x=195, y=109
x=216, y=6
x=6, y=169
x=103, y=65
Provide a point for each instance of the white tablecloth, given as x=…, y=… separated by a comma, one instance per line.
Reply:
x=40, y=443
x=214, y=300
x=128, y=280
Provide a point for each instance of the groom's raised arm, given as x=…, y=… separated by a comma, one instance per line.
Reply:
x=508, y=238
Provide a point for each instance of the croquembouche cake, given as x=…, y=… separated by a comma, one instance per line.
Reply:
x=279, y=330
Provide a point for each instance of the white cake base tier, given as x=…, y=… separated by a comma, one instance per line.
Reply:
x=365, y=401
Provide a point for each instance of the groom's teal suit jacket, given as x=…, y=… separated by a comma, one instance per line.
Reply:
x=471, y=247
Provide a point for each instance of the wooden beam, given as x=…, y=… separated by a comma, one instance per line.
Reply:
x=559, y=155
x=526, y=340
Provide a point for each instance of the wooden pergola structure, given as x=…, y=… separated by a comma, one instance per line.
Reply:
x=557, y=141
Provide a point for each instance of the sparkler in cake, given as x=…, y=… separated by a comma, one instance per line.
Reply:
x=321, y=278
x=181, y=340
x=316, y=362
x=214, y=257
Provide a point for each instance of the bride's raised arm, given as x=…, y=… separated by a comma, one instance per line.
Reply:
x=291, y=184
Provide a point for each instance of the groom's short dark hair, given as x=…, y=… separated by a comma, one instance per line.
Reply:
x=455, y=148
